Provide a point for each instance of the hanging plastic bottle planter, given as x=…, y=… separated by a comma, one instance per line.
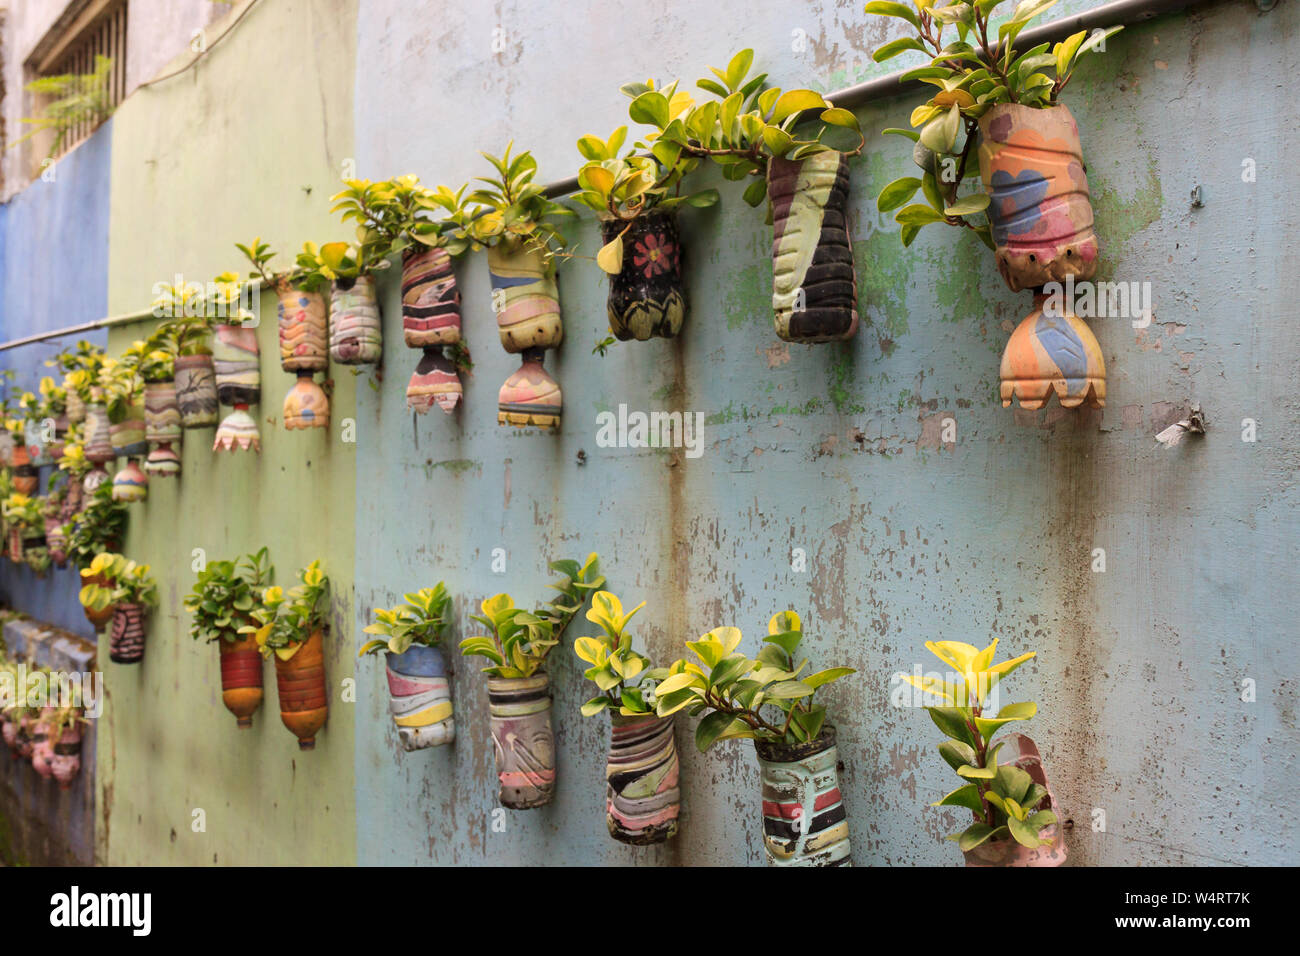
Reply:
x=431, y=322
x=162, y=416
x=303, y=351
x=235, y=357
x=129, y=442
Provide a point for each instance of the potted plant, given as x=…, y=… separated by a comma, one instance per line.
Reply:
x=794, y=147
x=642, y=771
x=66, y=726
x=51, y=409
x=190, y=328
x=221, y=603
x=514, y=219
x=56, y=538
x=123, y=395
x=636, y=197
x=303, y=329
x=235, y=360
x=26, y=478
x=347, y=271
x=1015, y=821
x=73, y=463
x=290, y=625
x=162, y=414
x=410, y=635
x=1003, y=103
x=519, y=696
x=100, y=526
x=79, y=365
x=24, y=523
x=765, y=699
x=131, y=591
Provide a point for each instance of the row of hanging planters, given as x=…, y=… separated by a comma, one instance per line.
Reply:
x=1003, y=104
x=234, y=606
x=49, y=737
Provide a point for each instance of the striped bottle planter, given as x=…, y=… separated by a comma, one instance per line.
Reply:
x=642, y=797
x=804, y=822
x=520, y=713
x=162, y=418
x=356, y=335
x=241, y=677
x=435, y=381
x=65, y=763
x=126, y=640
x=239, y=384
x=814, y=286
x=1008, y=852
x=646, y=297
x=430, y=299
x=57, y=541
x=130, y=484
x=99, y=438
x=304, y=349
x=420, y=697
x=196, y=390
x=526, y=300
x=304, y=701
x=127, y=435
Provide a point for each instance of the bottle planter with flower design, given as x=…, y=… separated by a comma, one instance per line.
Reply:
x=130, y=594
x=769, y=135
x=636, y=198
x=1034, y=211
x=804, y=821
x=304, y=348
x=642, y=771
x=1015, y=819
x=519, y=697
x=419, y=692
x=239, y=385
x=515, y=221
x=290, y=625
x=223, y=597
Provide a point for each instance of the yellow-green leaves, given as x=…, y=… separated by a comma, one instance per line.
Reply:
x=623, y=676
x=610, y=256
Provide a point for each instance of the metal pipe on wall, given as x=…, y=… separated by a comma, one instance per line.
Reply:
x=1115, y=13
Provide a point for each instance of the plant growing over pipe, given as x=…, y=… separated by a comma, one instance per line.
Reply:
x=642, y=770
x=769, y=699
x=635, y=195
x=519, y=699
x=1034, y=212
x=289, y=626
x=511, y=216
x=1014, y=818
x=220, y=603
x=793, y=148
x=411, y=634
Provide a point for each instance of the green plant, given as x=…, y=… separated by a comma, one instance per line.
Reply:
x=762, y=698
x=514, y=208
x=421, y=620
x=518, y=640
x=1003, y=800
x=120, y=385
x=259, y=255
x=53, y=400
x=78, y=99
x=81, y=367
x=743, y=124
x=224, y=594
x=100, y=526
x=131, y=583
x=621, y=188
x=37, y=558
x=972, y=72
x=284, y=620
x=22, y=511
x=625, y=678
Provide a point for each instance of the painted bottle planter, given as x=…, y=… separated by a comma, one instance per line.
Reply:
x=420, y=697
x=526, y=299
x=304, y=701
x=26, y=478
x=814, y=285
x=241, y=678
x=162, y=420
x=99, y=437
x=520, y=714
x=356, y=335
x=304, y=349
x=92, y=480
x=430, y=321
x=72, y=500
x=65, y=763
x=16, y=545
x=646, y=299
x=239, y=384
x=804, y=822
x=42, y=747
x=196, y=390
x=642, y=772
x=75, y=408
x=130, y=484
x=1007, y=852
x=127, y=435
x=56, y=541
x=1040, y=211
x=126, y=640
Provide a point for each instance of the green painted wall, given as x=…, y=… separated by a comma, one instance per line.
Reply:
x=249, y=141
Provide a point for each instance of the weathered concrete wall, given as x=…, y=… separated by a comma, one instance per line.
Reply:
x=235, y=158
x=835, y=449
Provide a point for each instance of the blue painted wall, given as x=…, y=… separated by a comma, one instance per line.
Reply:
x=836, y=450
x=53, y=273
